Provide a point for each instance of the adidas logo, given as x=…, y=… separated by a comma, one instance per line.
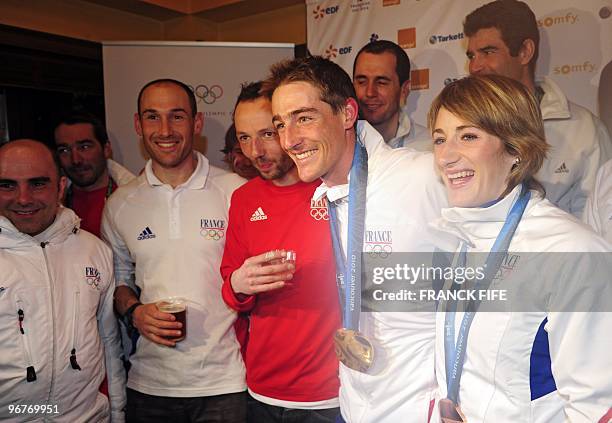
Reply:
x=147, y=233
x=258, y=215
x=562, y=169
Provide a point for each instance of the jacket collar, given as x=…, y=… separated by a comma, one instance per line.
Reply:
x=66, y=223
x=554, y=104
x=473, y=225
x=371, y=140
x=118, y=173
x=403, y=129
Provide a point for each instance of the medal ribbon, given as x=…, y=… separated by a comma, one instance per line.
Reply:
x=350, y=289
x=455, y=352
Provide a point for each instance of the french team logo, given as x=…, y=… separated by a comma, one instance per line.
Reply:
x=378, y=243
x=92, y=277
x=212, y=229
x=318, y=209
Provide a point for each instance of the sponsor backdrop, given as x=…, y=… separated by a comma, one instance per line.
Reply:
x=213, y=70
x=575, y=40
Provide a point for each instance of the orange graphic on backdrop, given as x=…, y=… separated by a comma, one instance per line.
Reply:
x=419, y=79
x=406, y=38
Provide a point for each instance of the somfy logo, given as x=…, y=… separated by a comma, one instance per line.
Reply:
x=580, y=67
x=569, y=19
x=208, y=94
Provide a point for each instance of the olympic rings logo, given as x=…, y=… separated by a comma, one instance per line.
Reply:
x=319, y=213
x=93, y=281
x=378, y=250
x=208, y=94
x=212, y=234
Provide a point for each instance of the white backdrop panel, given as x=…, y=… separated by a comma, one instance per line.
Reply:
x=224, y=66
x=575, y=44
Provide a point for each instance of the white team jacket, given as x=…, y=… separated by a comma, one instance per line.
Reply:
x=410, y=134
x=598, y=211
x=528, y=365
x=64, y=294
x=120, y=174
x=403, y=195
x=580, y=145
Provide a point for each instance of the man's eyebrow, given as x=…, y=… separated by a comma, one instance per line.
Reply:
x=175, y=110
x=297, y=112
x=488, y=47
x=39, y=179
x=7, y=181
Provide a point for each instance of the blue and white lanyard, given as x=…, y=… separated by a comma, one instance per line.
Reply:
x=350, y=290
x=455, y=352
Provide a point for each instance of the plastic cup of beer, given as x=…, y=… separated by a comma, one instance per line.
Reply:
x=177, y=306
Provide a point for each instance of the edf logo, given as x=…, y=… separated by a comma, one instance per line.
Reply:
x=319, y=12
x=331, y=52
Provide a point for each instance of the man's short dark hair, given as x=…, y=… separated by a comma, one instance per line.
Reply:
x=183, y=86
x=332, y=81
x=249, y=91
x=515, y=21
x=73, y=118
x=230, y=140
x=402, y=62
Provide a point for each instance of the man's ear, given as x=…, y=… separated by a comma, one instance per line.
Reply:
x=351, y=112
x=62, y=189
x=526, y=51
x=137, y=125
x=404, y=91
x=108, y=150
x=198, y=123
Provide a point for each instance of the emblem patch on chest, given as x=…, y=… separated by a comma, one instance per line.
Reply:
x=378, y=243
x=92, y=277
x=318, y=209
x=212, y=229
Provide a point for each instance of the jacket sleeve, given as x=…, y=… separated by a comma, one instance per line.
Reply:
x=122, y=261
x=592, y=216
x=234, y=255
x=601, y=153
x=109, y=333
x=579, y=327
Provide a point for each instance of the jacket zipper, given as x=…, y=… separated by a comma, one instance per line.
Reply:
x=52, y=308
x=30, y=371
x=75, y=332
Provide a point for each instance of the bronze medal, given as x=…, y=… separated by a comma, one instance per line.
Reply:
x=450, y=412
x=354, y=350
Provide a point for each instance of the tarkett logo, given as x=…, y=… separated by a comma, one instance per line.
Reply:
x=580, y=67
x=434, y=39
x=331, y=52
x=569, y=19
x=419, y=79
x=319, y=12
x=391, y=3
x=406, y=38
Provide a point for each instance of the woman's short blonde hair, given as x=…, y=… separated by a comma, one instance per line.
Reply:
x=502, y=107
